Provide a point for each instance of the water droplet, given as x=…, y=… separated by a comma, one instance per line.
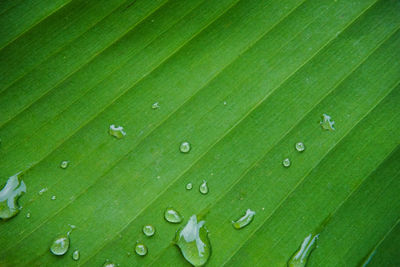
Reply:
x=225, y=103
x=9, y=195
x=117, y=132
x=53, y=198
x=60, y=245
x=203, y=188
x=172, y=216
x=300, y=147
x=64, y=164
x=42, y=191
x=109, y=264
x=193, y=242
x=141, y=249
x=299, y=259
x=244, y=220
x=189, y=186
x=149, y=230
x=327, y=123
x=156, y=105
x=76, y=255
x=28, y=215
x=185, y=147
x=286, y=162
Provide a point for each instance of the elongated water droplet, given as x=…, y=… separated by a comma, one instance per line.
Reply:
x=76, y=255
x=172, y=216
x=53, y=198
x=60, y=245
x=203, y=188
x=64, y=164
x=185, y=147
x=117, y=132
x=189, y=186
x=141, y=249
x=9, y=195
x=28, y=215
x=299, y=259
x=327, y=123
x=149, y=230
x=286, y=162
x=300, y=147
x=42, y=191
x=193, y=242
x=367, y=259
x=156, y=105
x=244, y=220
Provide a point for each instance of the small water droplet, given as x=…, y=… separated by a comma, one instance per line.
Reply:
x=64, y=164
x=244, y=220
x=327, y=123
x=300, y=257
x=28, y=215
x=286, y=162
x=193, y=242
x=225, y=103
x=300, y=147
x=185, y=147
x=109, y=264
x=9, y=195
x=42, y=191
x=141, y=249
x=76, y=255
x=172, y=216
x=203, y=188
x=117, y=132
x=149, y=230
x=189, y=186
x=53, y=198
x=60, y=245
x=156, y=105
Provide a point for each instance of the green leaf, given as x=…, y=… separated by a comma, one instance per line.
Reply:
x=242, y=82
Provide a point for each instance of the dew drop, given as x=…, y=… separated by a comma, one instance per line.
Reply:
x=156, y=105
x=203, y=188
x=117, y=132
x=300, y=147
x=53, y=198
x=76, y=255
x=185, y=147
x=60, y=245
x=64, y=164
x=172, y=216
x=300, y=257
x=141, y=249
x=327, y=123
x=109, y=264
x=189, y=186
x=286, y=162
x=244, y=220
x=149, y=230
x=42, y=191
x=193, y=242
x=28, y=215
x=9, y=195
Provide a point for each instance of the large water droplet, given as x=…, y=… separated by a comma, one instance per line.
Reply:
x=60, y=245
x=141, y=249
x=185, y=147
x=244, y=220
x=156, y=105
x=9, y=195
x=286, y=163
x=76, y=255
x=203, y=188
x=117, y=132
x=189, y=186
x=299, y=259
x=149, y=230
x=193, y=242
x=327, y=123
x=172, y=216
x=64, y=164
x=300, y=147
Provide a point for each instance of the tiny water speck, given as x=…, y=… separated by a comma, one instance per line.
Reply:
x=141, y=249
x=42, y=191
x=9, y=195
x=189, y=186
x=286, y=162
x=225, y=103
x=327, y=123
x=203, y=188
x=185, y=147
x=64, y=164
x=300, y=257
x=76, y=255
x=149, y=230
x=172, y=216
x=117, y=132
x=300, y=147
x=244, y=220
x=156, y=105
x=53, y=198
x=28, y=215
